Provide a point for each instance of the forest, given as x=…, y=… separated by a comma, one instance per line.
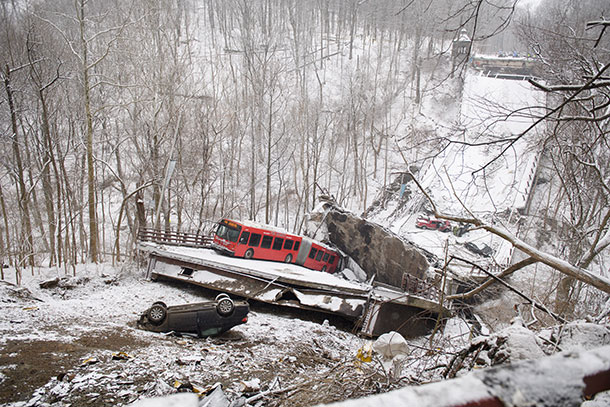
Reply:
x=117, y=115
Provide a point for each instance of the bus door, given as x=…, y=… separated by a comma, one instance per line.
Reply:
x=303, y=251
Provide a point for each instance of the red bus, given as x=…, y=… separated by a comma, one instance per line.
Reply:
x=254, y=241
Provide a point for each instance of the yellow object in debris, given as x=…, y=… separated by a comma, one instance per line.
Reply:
x=187, y=386
x=30, y=309
x=89, y=361
x=365, y=353
x=121, y=356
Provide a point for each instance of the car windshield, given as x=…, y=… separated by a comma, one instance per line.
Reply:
x=227, y=233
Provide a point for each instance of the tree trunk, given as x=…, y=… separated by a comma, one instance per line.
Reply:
x=93, y=231
x=46, y=178
x=6, y=230
x=26, y=223
x=268, y=170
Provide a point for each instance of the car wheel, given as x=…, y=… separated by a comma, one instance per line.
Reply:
x=157, y=313
x=225, y=306
x=249, y=254
x=288, y=258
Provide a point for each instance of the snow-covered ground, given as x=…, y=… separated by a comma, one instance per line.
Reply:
x=77, y=343
x=61, y=346
x=49, y=334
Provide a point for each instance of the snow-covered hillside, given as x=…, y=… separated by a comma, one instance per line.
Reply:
x=478, y=171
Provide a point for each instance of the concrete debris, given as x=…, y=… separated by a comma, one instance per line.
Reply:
x=175, y=400
x=163, y=389
x=250, y=386
x=216, y=398
x=378, y=251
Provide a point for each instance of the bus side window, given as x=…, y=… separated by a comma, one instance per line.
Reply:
x=312, y=253
x=266, y=242
x=319, y=256
x=288, y=244
x=332, y=260
x=296, y=245
x=255, y=239
x=244, y=237
x=325, y=259
x=277, y=243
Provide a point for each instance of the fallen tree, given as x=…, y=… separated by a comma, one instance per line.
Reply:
x=576, y=272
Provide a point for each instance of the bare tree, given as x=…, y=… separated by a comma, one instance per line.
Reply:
x=576, y=145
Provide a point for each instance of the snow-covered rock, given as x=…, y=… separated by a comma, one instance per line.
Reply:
x=378, y=251
x=581, y=335
x=390, y=345
x=175, y=400
x=521, y=342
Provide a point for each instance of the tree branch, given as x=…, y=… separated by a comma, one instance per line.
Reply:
x=510, y=287
x=505, y=273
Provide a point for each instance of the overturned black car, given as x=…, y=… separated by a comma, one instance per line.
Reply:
x=203, y=318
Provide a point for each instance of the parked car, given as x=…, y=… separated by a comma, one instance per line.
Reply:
x=481, y=249
x=203, y=318
x=433, y=224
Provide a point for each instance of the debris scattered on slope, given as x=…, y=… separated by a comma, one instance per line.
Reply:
x=511, y=344
x=278, y=358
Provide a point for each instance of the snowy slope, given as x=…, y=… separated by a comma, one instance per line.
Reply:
x=460, y=170
x=466, y=176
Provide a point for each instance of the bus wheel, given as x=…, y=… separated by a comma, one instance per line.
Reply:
x=249, y=254
x=288, y=258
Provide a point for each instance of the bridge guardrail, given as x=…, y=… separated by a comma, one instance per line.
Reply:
x=174, y=238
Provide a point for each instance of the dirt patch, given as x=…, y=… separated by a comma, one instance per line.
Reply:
x=116, y=339
x=28, y=365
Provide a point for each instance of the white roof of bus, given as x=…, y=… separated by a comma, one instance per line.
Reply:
x=251, y=224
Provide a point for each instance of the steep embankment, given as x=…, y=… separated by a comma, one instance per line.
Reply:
x=483, y=167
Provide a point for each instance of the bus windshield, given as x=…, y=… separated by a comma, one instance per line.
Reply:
x=227, y=233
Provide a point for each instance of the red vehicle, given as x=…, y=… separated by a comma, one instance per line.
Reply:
x=254, y=241
x=433, y=224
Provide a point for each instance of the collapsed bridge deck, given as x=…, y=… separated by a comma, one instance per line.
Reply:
x=375, y=309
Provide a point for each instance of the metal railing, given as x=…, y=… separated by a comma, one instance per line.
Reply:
x=420, y=288
x=174, y=238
